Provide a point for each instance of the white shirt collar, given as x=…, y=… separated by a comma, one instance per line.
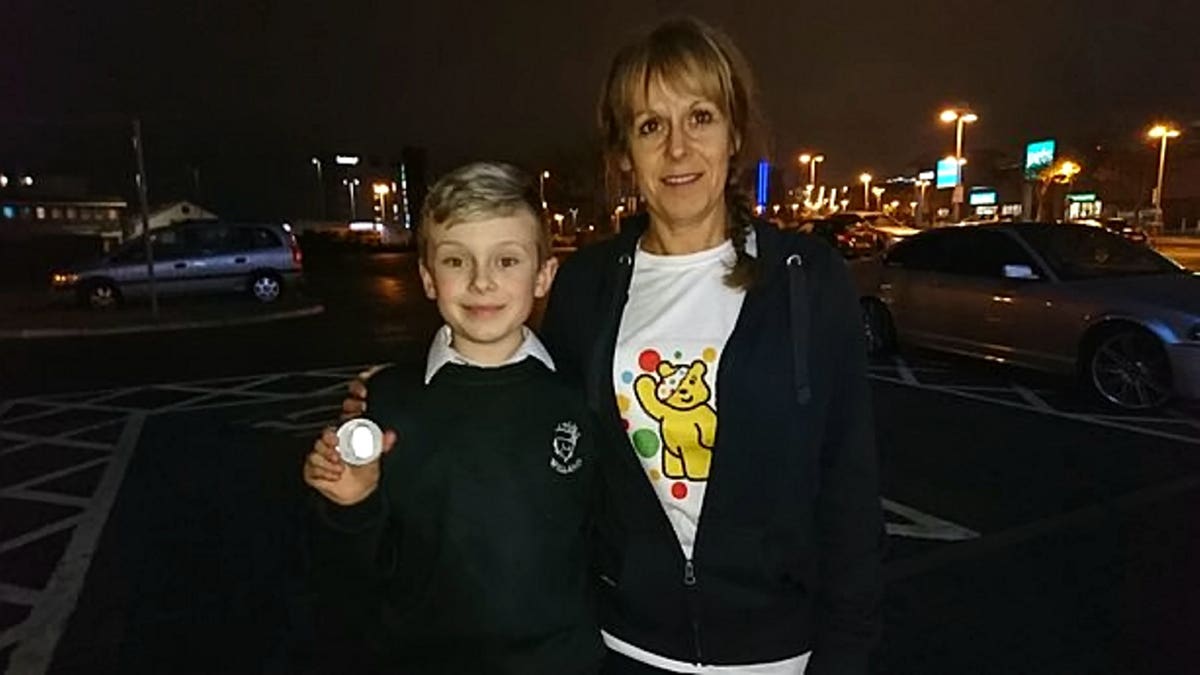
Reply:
x=441, y=353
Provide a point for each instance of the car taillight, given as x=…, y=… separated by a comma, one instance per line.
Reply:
x=297, y=254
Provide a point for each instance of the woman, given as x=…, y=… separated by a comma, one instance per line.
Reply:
x=741, y=527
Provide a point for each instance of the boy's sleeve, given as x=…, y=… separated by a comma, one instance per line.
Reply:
x=349, y=542
x=355, y=542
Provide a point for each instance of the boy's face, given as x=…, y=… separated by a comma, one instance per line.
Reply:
x=485, y=276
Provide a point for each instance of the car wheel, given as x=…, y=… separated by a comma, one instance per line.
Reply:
x=266, y=287
x=1128, y=368
x=878, y=328
x=101, y=295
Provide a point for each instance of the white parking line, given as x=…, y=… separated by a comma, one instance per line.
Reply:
x=923, y=525
x=1077, y=417
x=48, y=620
x=17, y=595
x=44, y=531
x=906, y=374
x=1036, y=402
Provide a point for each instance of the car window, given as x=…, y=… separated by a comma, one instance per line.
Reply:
x=133, y=253
x=1076, y=253
x=987, y=254
x=206, y=239
x=168, y=244
x=921, y=253
x=253, y=238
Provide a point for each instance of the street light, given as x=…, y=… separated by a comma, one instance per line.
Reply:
x=811, y=162
x=350, y=184
x=866, y=181
x=381, y=191
x=878, y=192
x=1165, y=133
x=922, y=184
x=960, y=118
x=320, y=186
x=542, y=187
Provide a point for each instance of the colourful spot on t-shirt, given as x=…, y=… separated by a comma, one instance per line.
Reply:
x=627, y=377
x=645, y=442
x=625, y=424
x=678, y=356
x=648, y=360
x=655, y=475
x=623, y=403
x=710, y=355
x=679, y=490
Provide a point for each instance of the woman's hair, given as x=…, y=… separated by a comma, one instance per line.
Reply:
x=688, y=55
x=480, y=191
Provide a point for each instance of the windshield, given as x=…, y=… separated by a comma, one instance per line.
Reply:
x=1076, y=253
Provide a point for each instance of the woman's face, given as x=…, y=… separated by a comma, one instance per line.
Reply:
x=679, y=150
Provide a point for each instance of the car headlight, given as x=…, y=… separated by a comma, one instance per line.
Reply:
x=64, y=279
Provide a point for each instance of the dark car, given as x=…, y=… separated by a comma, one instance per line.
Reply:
x=850, y=237
x=1120, y=227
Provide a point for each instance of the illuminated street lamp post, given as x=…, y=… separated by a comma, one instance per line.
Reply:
x=878, y=192
x=1162, y=132
x=350, y=184
x=866, y=181
x=811, y=162
x=960, y=118
x=381, y=191
x=320, y=187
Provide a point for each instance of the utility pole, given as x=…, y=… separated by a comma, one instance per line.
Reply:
x=141, y=184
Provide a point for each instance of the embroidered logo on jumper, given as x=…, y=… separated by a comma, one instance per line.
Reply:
x=563, y=459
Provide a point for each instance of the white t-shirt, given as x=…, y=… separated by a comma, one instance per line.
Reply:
x=677, y=320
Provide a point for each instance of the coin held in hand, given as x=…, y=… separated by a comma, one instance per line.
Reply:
x=360, y=441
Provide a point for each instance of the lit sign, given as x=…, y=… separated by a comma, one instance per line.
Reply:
x=1039, y=155
x=947, y=173
x=983, y=198
x=927, y=175
x=347, y=160
x=763, y=171
x=1083, y=197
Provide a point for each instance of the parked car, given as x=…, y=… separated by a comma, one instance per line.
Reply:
x=192, y=257
x=1123, y=228
x=851, y=238
x=1062, y=298
x=886, y=228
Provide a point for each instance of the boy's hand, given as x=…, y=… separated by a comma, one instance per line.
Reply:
x=355, y=404
x=339, y=482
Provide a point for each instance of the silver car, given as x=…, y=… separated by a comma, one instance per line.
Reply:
x=1067, y=299
x=192, y=257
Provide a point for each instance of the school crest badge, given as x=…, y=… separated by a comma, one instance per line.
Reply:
x=563, y=458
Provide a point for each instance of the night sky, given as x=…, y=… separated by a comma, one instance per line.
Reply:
x=219, y=82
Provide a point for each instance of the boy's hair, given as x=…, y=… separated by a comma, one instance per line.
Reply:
x=479, y=191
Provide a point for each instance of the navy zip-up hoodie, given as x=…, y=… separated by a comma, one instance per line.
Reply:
x=787, y=552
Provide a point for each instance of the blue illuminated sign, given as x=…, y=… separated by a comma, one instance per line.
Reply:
x=984, y=197
x=1039, y=155
x=760, y=193
x=947, y=173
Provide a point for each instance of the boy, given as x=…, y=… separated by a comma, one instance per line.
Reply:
x=469, y=541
